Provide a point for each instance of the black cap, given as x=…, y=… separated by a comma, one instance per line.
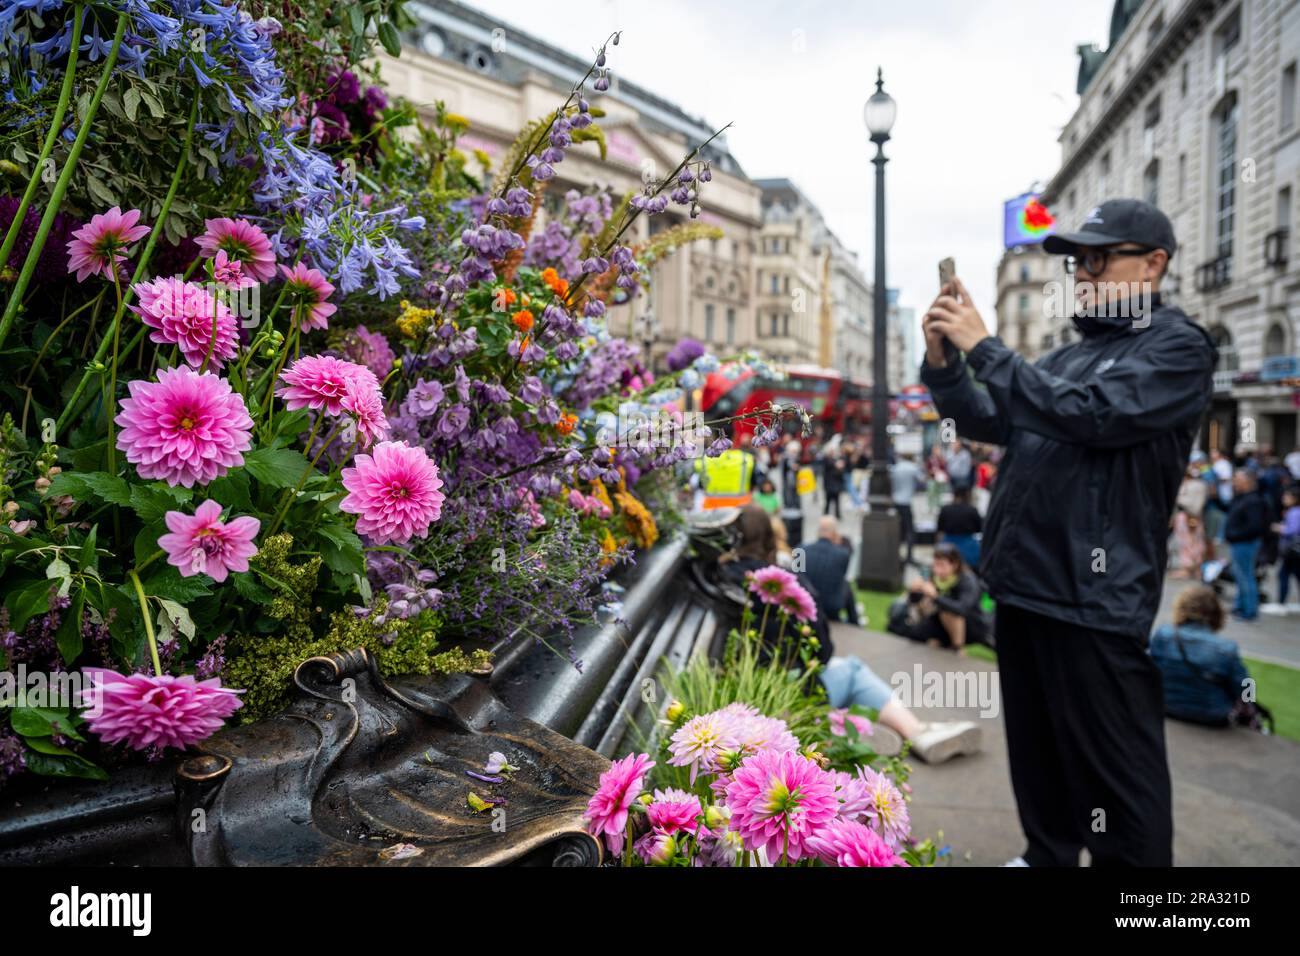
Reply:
x=1116, y=221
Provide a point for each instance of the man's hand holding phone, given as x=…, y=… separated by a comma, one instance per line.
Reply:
x=951, y=316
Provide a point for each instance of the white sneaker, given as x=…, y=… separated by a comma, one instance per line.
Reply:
x=938, y=741
x=1018, y=861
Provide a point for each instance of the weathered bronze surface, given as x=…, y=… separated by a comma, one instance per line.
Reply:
x=356, y=767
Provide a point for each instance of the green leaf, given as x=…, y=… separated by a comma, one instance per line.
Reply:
x=26, y=602
x=389, y=38
x=357, y=15
x=154, y=104
x=169, y=584
x=275, y=467
x=131, y=103
x=87, y=558
x=146, y=542
x=172, y=615
x=232, y=491
x=91, y=486
x=66, y=764
x=99, y=190
x=152, y=502
x=68, y=636
x=42, y=722
x=250, y=589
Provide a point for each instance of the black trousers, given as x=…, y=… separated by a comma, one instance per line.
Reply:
x=1084, y=713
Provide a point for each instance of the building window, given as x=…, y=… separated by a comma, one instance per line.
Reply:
x=1225, y=205
x=731, y=326
x=776, y=285
x=708, y=322
x=1157, y=27
x=1103, y=175
x=1023, y=303
x=1275, y=340
x=1287, y=120
x=1151, y=183
x=1228, y=35
x=1024, y=273
x=785, y=325
x=1151, y=118
x=1182, y=175
x=1182, y=81
x=774, y=324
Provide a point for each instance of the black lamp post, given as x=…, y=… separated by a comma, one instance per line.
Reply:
x=878, y=566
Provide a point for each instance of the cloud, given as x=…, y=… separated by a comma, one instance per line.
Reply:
x=983, y=88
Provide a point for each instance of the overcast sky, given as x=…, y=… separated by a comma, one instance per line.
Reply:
x=983, y=88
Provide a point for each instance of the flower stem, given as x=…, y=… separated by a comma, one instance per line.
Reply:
x=73, y=406
x=311, y=466
x=56, y=122
x=148, y=624
x=61, y=187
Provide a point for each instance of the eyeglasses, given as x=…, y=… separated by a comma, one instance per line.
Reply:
x=1095, y=261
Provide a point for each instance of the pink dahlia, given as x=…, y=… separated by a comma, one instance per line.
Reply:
x=185, y=428
x=100, y=246
x=619, y=787
x=886, y=809
x=229, y=272
x=757, y=732
x=321, y=381
x=798, y=603
x=656, y=848
x=699, y=742
x=182, y=314
x=771, y=584
x=847, y=843
x=779, y=800
x=395, y=492
x=240, y=240
x=371, y=349
x=838, y=717
x=674, y=810
x=307, y=291
x=366, y=406
x=853, y=794
x=156, y=711
x=202, y=544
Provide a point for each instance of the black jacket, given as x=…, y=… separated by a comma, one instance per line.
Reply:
x=1097, y=437
x=827, y=565
x=1248, y=519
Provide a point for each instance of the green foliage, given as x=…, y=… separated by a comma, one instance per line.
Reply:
x=264, y=665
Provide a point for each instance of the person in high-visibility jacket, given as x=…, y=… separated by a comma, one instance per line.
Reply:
x=728, y=480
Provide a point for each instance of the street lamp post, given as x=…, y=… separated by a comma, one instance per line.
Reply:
x=878, y=565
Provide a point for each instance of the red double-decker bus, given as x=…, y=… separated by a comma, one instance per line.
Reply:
x=834, y=403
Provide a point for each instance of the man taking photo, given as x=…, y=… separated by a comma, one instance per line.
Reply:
x=1097, y=435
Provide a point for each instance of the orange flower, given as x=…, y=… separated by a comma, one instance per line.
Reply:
x=523, y=320
x=566, y=424
x=507, y=295
x=552, y=278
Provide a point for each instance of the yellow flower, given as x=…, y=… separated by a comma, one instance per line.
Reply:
x=640, y=523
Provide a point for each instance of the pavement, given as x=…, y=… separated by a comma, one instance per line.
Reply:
x=1236, y=793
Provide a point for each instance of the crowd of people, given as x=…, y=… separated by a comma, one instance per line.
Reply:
x=1238, y=519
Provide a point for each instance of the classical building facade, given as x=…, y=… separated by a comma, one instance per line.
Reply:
x=791, y=275
x=1193, y=106
x=1024, y=307
x=499, y=79
x=850, y=295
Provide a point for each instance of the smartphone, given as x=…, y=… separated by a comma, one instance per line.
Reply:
x=947, y=272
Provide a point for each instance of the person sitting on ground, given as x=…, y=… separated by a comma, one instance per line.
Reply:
x=826, y=563
x=847, y=680
x=959, y=524
x=945, y=610
x=1202, y=672
x=766, y=497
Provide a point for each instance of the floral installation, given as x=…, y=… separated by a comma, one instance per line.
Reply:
x=284, y=375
